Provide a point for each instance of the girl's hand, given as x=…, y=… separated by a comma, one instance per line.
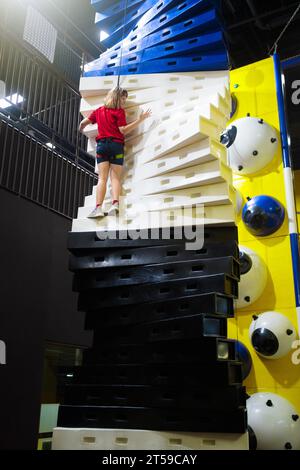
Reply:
x=145, y=114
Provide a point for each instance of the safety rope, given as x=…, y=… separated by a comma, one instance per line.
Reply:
x=275, y=45
x=121, y=51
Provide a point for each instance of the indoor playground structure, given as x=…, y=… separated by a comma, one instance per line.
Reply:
x=192, y=291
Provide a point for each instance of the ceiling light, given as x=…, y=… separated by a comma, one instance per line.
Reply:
x=103, y=35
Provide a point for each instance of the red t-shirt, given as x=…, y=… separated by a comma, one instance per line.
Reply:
x=108, y=121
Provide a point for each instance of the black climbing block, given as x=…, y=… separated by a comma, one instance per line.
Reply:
x=78, y=241
x=215, y=304
x=127, y=295
x=195, y=326
x=214, y=399
x=184, y=351
x=233, y=421
x=131, y=275
x=104, y=258
x=221, y=373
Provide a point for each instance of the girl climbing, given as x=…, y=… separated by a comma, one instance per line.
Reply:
x=112, y=128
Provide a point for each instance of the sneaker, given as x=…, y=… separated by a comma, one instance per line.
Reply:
x=114, y=209
x=97, y=212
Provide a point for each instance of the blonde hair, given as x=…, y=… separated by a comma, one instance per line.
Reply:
x=113, y=98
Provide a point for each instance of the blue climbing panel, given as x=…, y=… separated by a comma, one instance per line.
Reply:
x=159, y=36
x=117, y=25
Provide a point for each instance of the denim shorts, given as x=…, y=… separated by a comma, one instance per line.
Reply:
x=110, y=151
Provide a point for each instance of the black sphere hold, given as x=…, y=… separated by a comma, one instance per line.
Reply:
x=245, y=262
x=265, y=342
x=228, y=137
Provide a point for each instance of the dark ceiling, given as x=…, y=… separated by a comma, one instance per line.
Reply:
x=252, y=27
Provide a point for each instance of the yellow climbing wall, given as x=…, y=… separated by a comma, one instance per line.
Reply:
x=255, y=89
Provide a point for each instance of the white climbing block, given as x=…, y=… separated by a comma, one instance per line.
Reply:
x=159, y=99
x=165, y=140
x=135, y=439
x=223, y=215
x=91, y=132
x=95, y=86
x=212, y=194
x=188, y=156
x=91, y=147
x=207, y=173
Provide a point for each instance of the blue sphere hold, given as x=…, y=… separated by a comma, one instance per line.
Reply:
x=263, y=215
x=244, y=356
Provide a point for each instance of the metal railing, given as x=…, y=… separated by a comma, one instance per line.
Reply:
x=39, y=173
x=42, y=155
x=33, y=88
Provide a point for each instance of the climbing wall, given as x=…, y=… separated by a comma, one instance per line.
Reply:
x=161, y=373
x=254, y=88
x=174, y=159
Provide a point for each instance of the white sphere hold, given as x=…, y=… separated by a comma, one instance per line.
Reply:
x=254, y=276
x=252, y=144
x=274, y=422
x=272, y=334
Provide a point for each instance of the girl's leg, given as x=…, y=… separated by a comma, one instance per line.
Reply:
x=103, y=169
x=115, y=177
